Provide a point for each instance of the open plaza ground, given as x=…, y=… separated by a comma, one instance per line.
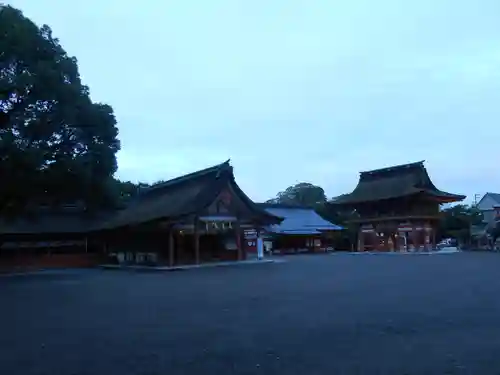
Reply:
x=312, y=314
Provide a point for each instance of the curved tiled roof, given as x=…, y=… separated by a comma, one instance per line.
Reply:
x=297, y=220
x=394, y=182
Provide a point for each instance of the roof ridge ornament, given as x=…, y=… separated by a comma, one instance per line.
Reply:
x=223, y=167
x=395, y=167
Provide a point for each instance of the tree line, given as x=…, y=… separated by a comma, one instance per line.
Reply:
x=57, y=146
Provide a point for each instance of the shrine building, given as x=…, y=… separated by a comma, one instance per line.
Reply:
x=195, y=218
x=397, y=208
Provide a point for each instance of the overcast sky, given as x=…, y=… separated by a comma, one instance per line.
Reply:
x=293, y=90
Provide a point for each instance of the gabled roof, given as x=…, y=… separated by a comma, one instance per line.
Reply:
x=297, y=220
x=493, y=196
x=183, y=196
x=395, y=182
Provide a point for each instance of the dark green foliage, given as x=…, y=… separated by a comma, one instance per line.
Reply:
x=127, y=190
x=341, y=216
x=456, y=221
x=124, y=191
x=56, y=145
x=309, y=195
x=301, y=194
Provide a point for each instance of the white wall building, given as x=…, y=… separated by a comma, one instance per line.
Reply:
x=487, y=206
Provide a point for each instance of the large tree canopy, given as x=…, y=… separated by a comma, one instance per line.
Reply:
x=127, y=190
x=456, y=221
x=303, y=194
x=56, y=145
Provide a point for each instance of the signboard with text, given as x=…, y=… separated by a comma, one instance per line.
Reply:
x=250, y=240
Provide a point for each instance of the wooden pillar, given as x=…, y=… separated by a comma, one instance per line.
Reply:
x=361, y=240
x=241, y=240
x=386, y=237
x=171, y=247
x=196, y=238
x=416, y=240
x=433, y=237
x=237, y=232
x=427, y=236
x=179, y=241
x=392, y=246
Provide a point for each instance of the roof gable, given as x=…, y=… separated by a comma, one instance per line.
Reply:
x=214, y=171
x=488, y=201
x=187, y=195
x=177, y=197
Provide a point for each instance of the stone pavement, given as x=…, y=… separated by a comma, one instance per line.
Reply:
x=189, y=266
x=317, y=314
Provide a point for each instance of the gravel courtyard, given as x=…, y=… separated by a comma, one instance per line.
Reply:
x=324, y=314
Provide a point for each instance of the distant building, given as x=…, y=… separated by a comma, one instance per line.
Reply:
x=195, y=218
x=487, y=205
x=302, y=229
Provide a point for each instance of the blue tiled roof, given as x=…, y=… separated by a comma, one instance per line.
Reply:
x=299, y=220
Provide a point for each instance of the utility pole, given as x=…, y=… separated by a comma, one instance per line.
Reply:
x=474, y=205
x=475, y=201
